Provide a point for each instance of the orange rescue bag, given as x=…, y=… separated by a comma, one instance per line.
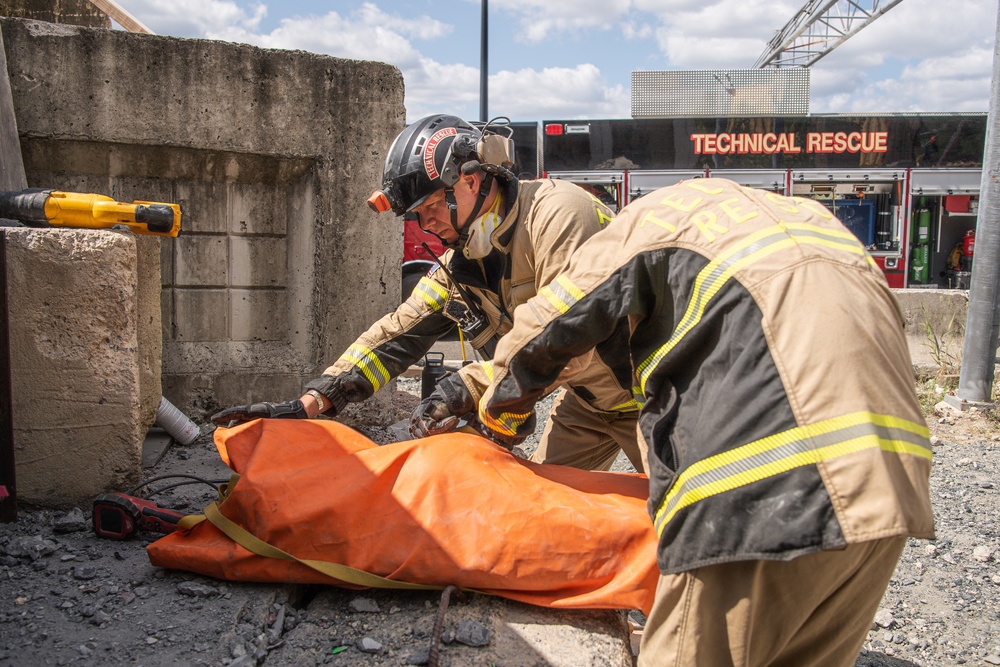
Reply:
x=314, y=501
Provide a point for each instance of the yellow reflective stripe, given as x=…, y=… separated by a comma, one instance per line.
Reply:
x=602, y=217
x=627, y=406
x=562, y=293
x=431, y=292
x=488, y=369
x=640, y=398
x=797, y=447
x=831, y=238
x=506, y=423
x=717, y=273
x=365, y=361
x=708, y=283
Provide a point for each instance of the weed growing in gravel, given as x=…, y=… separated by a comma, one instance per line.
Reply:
x=942, y=345
x=932, y=388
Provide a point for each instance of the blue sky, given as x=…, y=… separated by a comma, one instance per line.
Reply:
x=574, y=58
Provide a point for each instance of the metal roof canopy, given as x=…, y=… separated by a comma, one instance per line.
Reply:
x=720, y=93
x=818, y=28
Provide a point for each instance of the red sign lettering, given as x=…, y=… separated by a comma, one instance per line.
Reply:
x=768, y=143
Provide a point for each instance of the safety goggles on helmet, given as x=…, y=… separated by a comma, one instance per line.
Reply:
x=433, y=153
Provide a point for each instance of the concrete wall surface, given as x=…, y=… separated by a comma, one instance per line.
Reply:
x=76, y=12
x=272, y=155
x=75, y=363
x=935, y=327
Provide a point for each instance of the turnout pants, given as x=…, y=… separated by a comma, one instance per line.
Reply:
x=579, y=436
x=813, y=611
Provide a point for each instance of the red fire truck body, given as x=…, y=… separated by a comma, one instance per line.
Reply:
x=906, y=184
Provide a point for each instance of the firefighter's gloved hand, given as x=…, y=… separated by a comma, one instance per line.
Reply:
x=443, y=409
x=510, y=442
x=245, y=413
x=432, y=417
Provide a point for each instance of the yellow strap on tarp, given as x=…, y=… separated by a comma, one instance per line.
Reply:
x=192, y=520
x=349, y=575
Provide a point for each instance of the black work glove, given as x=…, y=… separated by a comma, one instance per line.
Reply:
x=441, y=411
x=244, y=413
x=510, y=442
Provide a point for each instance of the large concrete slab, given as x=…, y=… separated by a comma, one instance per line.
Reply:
x=271, y=153
x=935, y=327
x=75, y=363
x=77, y=12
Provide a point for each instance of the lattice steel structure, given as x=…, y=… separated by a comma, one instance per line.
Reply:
x=818, y=28
x=720, y=93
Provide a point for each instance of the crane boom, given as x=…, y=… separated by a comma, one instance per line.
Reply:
x=818, y=28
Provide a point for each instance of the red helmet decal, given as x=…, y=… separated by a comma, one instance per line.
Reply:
x=432, y=143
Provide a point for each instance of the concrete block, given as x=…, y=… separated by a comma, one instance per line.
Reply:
x=201, y=261
x=167, y=319
x=167, y=262
x=935, y=327
x=258, y=315
x=257, y=261
x=257, y=210
x=205, y=206
x=149, y=331
x=75, y=363
x=200, y=314
x=275, y=387
x=263, y=144
x=76, y=12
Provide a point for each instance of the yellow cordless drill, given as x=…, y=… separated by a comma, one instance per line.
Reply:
x=52, y=208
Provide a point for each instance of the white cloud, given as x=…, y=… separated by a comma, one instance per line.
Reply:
x=557, y=92
x=542, y=19
x=724, y=34
x=194, y=18
x=959, y=82
x=432, y=87
x=922, y=55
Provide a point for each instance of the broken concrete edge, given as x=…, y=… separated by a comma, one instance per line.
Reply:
x=962, y=404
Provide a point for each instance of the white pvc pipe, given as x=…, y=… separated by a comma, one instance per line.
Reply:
x=176, y=423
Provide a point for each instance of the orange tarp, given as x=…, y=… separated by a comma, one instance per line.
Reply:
x=451, y=509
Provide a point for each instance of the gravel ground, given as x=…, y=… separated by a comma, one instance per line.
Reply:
x=69, y=598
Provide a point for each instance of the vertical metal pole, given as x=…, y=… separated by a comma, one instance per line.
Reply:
x=979, y=349
x=484, y=70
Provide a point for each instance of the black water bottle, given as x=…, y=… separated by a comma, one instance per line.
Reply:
x=433, y=371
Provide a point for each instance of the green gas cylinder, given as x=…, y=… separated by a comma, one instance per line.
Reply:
x=921, y=232
x=920, y=237
x=919, y=263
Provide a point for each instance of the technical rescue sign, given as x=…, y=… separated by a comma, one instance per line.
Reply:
x=788, y=142
x=834, y=141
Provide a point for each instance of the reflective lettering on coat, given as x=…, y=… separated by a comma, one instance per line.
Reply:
x=700, y=186
x=603, y=214
x=735, y=213
x=651, y=217
x=707, y=224
x=782, y=203
x=674, y=200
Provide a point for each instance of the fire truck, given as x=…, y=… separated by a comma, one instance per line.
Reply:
x=907, y=185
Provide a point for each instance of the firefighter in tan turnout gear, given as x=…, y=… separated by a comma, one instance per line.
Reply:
x=507, y=239
x=789, y=457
